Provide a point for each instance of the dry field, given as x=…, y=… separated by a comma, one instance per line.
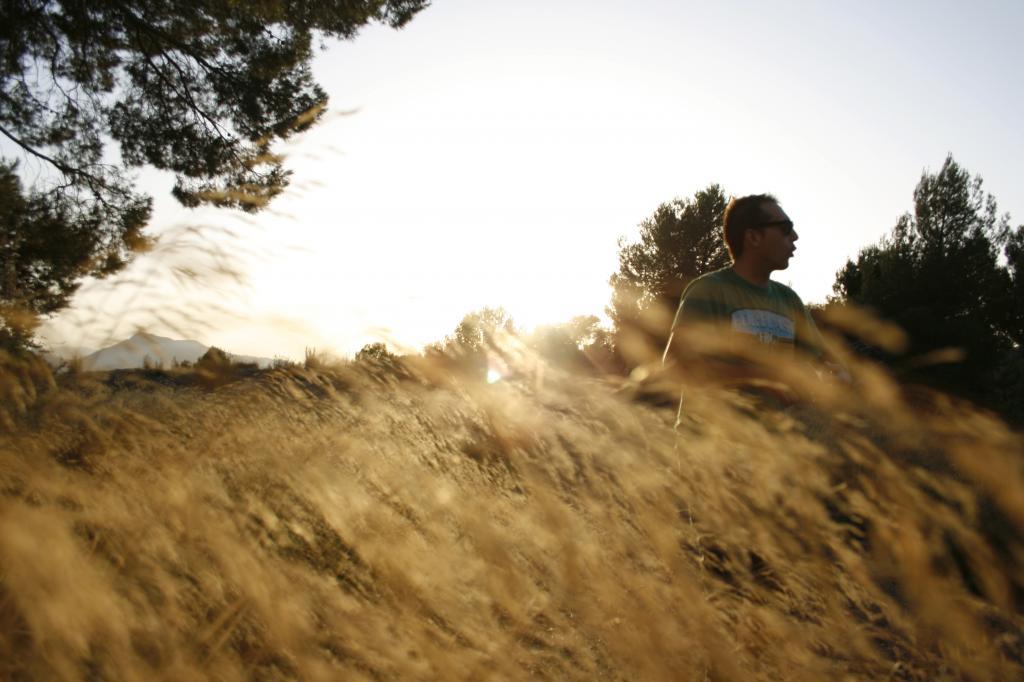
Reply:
x=377, y=522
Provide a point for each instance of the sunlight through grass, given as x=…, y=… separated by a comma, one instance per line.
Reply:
x=407, y=519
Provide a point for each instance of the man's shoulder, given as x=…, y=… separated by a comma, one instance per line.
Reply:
x=705, y=297
x=785, y=292
x=710, y=281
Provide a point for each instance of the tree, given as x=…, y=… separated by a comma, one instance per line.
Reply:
x=680, y=241
x=476, y=339
x=584, y=330
x=938, y=276
x=1009, y=380
x=376, y=352
x=562, y=344
x=580, y=344
x=476, y=331
x=214, y=359
x=44, y=252
x=1015, y=264
x=201, y=88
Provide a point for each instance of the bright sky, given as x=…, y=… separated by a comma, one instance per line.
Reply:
x=499, y=149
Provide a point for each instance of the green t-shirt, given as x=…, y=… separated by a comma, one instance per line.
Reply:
x=774, y=315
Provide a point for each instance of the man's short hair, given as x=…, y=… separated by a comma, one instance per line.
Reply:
x=741, y=215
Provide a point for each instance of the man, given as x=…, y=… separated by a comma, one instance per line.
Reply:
x=744, y=299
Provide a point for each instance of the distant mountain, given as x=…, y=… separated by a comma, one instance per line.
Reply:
x=160, y=351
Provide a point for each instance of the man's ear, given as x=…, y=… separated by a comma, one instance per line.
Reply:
x=752, y=237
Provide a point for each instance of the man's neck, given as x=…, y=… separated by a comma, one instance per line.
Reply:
x=752, y=272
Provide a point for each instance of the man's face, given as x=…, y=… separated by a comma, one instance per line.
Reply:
x=775, y=242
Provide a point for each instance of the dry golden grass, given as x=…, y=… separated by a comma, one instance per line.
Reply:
x=382, y=522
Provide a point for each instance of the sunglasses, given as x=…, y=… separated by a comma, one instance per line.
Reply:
x=785, y=226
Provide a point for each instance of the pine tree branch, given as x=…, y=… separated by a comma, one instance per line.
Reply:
x=63, y=168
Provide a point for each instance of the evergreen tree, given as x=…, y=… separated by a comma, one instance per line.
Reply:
x=46, y=248
x=1009, y=379
x=201, y=88
x=376, y=352
x=476, y=331
x=1015, y=264
x=476, y=338
x=563, y=344
x=938, y=276
x=214, y=359
x=680, y=241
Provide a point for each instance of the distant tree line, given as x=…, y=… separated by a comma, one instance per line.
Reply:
x=489, y=341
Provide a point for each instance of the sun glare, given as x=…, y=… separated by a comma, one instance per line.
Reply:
x=493, y=376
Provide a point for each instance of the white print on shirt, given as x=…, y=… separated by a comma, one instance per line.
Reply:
x=768, y=327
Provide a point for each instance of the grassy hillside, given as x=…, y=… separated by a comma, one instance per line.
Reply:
x=374, y=522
